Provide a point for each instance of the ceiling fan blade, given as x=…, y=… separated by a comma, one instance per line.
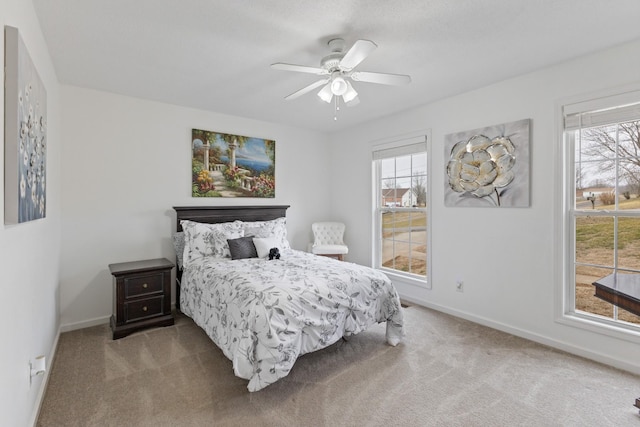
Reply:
x=358, y=52
x=298, y=68
x=381, y=78
x=306, y=89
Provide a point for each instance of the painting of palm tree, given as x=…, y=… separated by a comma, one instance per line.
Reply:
x=226, y=165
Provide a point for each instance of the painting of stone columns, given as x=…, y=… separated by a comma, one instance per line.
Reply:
x=226, y=165
x=25, y=134
x=488, y=167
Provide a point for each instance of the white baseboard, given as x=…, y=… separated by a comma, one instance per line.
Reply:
x=540, y=339
x=45, y=381
x=84, y=324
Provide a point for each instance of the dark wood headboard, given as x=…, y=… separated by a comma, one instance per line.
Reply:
x=217, y=214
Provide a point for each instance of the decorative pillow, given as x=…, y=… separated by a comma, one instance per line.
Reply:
x=208, y=240
x=178, y=245
x=242, y=247
x=264, y=244
x=276, y=228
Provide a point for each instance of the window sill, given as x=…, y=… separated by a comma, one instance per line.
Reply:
x=603, y=327
x=422, y=283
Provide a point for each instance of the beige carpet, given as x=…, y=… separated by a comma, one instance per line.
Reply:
x=448, y=372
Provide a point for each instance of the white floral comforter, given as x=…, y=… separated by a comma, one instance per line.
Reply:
x=264, y=314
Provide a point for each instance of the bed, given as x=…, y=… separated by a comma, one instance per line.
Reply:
x=264, y=313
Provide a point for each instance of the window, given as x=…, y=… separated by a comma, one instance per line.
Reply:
x=602, y=208
x=400, y=208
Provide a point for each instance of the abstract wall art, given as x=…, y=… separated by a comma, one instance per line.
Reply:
x=488, y=167
x=25, y=134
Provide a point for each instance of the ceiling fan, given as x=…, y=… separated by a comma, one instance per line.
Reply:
x=338, y=70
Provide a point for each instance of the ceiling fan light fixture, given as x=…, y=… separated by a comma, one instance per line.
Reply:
x=338, y=84
x=325, y=93
x=350, y=94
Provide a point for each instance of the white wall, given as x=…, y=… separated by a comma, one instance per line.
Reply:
x=506, y=257
x=127, y=161
x=29, y=252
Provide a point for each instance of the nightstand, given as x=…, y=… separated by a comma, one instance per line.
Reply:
x=141, y=295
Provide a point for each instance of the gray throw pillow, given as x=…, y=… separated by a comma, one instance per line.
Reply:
x=242, y=247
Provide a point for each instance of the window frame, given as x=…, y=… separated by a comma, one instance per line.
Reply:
x=567, y=213
x=397, y=143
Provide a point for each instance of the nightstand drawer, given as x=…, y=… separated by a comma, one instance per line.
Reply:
x=143, y=308
x=143, y=285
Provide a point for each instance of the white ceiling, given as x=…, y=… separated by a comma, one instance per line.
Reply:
x=216, y=54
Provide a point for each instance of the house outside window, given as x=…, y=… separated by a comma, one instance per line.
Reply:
x=601, y=221
x=393, y=197
x=401, y=237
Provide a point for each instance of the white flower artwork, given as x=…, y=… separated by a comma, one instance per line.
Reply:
x=489, y=166
x=25, y=134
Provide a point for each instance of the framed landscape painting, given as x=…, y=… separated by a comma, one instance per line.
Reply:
x=226, y=165
x=25, y=131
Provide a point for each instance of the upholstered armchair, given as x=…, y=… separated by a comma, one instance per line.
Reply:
x=328, y=239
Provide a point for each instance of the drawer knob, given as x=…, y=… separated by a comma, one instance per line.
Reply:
x=144, y=308
x=145, y=286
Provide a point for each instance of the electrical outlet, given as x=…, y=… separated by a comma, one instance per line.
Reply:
x=459, y=286
x=37, y=367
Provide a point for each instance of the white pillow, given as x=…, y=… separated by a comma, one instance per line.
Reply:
x=208, y=240
x=276, y=228
x=264, y=244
